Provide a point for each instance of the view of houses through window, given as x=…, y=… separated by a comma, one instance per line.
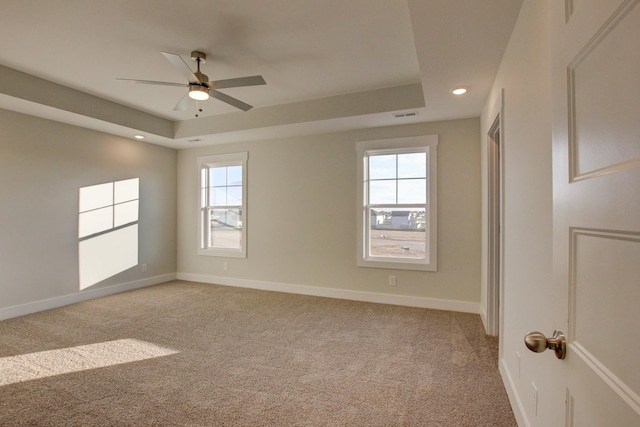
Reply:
x=222, y=204
x=397, y=194
x=397, y=190
x=397, y=233
x=222, y=200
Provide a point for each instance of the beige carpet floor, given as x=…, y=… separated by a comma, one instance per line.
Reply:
x=190, y=354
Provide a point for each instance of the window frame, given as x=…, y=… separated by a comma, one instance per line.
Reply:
x=403, y=145
x=221, y=160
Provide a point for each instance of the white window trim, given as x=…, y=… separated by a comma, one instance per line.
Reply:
x=397, y=145
x=220, y=160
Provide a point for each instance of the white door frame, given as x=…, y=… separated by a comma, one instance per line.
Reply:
x=495, y=215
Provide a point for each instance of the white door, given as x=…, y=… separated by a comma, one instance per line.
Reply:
x=596, y=177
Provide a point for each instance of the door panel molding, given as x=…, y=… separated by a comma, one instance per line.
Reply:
x=592, y=127
x=616, y=384
x=592, y=253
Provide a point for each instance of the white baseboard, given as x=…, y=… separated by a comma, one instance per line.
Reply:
x=49, y=303
x=512, y=393
x=409, y=301
x=403, y=300
x=483, y=317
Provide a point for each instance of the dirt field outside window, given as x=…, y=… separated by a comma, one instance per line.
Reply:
x=398, y=244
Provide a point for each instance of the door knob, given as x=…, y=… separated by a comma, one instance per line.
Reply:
x=537, y=342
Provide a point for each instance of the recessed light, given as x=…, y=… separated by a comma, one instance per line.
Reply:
x=138, y=136
x=460, y=90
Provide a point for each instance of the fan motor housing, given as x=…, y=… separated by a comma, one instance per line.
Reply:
x=202, y=77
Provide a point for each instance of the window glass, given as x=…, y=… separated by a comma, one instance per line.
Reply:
x=226, y=232
x=218, y=176
x=397, y=233
x=382, y=167
x=234, y=196
x=381, y=192
x=412, y=165
x=397, y=224
x=234, y=175
x=412, y=191
x=222, y=229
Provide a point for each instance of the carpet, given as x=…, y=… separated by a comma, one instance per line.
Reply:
x=191, y=354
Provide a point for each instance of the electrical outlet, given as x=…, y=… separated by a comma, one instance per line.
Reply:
x=534, y=396
x=392, y=280
x=225, y=266
x=143, y=267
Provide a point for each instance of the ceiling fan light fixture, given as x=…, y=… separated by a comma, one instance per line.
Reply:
x=199, y=93
x=200, y=87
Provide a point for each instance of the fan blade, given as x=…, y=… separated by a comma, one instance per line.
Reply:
x=238, y=82
x=183, y=104
x=230, y=100
x=151, y=82
x=182, y=66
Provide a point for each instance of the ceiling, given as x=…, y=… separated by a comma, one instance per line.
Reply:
x=329, y=64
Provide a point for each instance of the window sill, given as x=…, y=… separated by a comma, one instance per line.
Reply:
x=398, y=265
x=227, y=253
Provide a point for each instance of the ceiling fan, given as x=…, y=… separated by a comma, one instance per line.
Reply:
x=200, y=87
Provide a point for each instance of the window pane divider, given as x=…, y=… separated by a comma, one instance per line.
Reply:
x=398, y=206
x=223, y=207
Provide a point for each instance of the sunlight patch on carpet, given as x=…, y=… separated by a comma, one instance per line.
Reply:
x=43, y=364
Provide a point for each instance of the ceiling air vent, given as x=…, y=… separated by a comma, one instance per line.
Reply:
x=405, y=114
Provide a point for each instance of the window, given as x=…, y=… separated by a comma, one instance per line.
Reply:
x=222, y=208
x=397, y=224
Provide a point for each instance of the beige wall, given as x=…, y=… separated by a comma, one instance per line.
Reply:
x=524, y=75
x=42, y=166
x=302, y=218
